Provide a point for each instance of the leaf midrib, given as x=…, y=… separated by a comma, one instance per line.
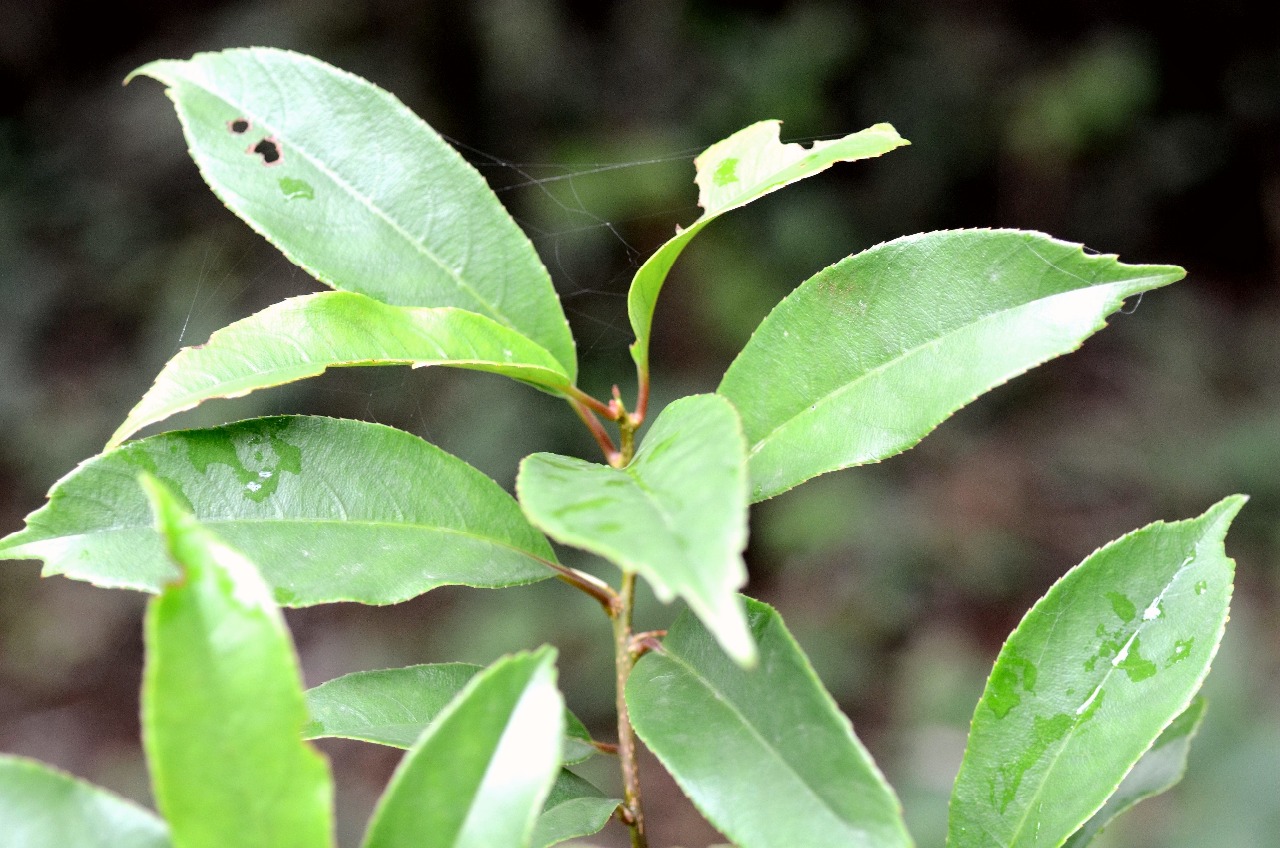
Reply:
x=1188, y=561
x=764, y=742
x=363, y=200
x=361, y=523
x=911, y=352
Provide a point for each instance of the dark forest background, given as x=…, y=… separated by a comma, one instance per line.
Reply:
x=1157, y=138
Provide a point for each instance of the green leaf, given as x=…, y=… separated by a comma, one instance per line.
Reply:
x=1160, y=768
x=393, y=706
x=731, y=173
x=302, y=336
x=1096, y=670
x=41, y=807
x=364, y=195
x=222, y=704
x=479, y=774
x=868, y=356
x=574, y=808
x=764, y=753
x=677, y=514
x=282, y=489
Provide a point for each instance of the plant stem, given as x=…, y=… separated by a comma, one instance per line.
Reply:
x=588, y=417
x=593, y=586
x=642, y=395
x=624, y=660
x=577, y=395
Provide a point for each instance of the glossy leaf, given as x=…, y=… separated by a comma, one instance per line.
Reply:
x=574, y=808
x=222, y=704
x=764, y=753
x=1086, y=683
x=1160, y=769
x=302, y=336
x=677, y=514
x=480, y=773
x=744, y=167
x=868, y=356
x=41, y=807
x=356, y=189
x=393, y=706
x=282, y=489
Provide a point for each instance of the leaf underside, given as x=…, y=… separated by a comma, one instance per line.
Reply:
x=303, y=336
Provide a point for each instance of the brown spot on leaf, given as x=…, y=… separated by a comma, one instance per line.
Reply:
x=269, y=150
x=239, y=126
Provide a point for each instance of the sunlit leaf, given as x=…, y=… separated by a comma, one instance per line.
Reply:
x=41, y=807
x=393, y=706
x=745, y=166
x=764, y=753
x=356, y=189
x=1159, y=770
x=868, y=356
x=302, y=336
x=677, y=515
x=1095, y=672
x=285, y=490
x=480, y=773
x=222, y=704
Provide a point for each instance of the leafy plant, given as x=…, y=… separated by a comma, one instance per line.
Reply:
x=1089, y=706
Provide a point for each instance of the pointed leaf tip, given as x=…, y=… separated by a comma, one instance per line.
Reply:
x=357, y=190
x=1089, y=679
x=868, y=356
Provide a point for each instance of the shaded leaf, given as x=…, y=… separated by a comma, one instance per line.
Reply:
x=222, y=704
x=41, y=807
x=302, y=336
x=282, y=489
x=574, y=808
x=731, y=173
x=865, y=358
x=677, y=514
x=393, y=706
x=479, y=774
x=1160, y=769
x=1096, y=670
x=360, y=192
x=764, y=753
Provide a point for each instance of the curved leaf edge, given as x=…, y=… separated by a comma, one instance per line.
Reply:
x=139, y=417
x=11, y=546
x=1223, y=513
x=47, y=770
x=1186, y=726
x=669, y=252
x=1165, y=274
x=154, y=70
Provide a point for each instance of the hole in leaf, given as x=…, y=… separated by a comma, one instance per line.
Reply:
x=239, y=126
x=269, y=150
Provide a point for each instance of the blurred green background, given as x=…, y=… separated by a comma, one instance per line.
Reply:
x=1154, y=138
